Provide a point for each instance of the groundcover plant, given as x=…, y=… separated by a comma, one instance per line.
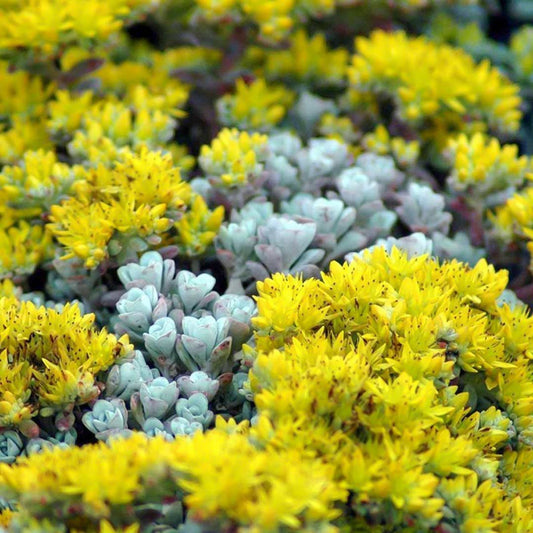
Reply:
x=265, y=266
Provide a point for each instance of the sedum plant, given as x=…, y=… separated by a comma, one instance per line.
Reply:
x=187, y=174
x=117, y=213
x=346, y=395
x=257, y=106
x=422, y=97
x=187, y=327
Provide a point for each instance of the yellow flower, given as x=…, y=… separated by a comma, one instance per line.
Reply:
x=272, y=16
x=302, y=304
x=85, y=474
x=82, y=228
x=435, y=83
x=67, y=110
x=521, y=46
x=8, y=289
x=299, y=381
x=213, y=9
x=118, y=212
x=480, y=285
x=308, y=60
x=257, y=106
x=198, y=227
x=106, y=527
x=186, y=57
x=49, y=359
x=144, y=87
x=513, y=221
x=152, y=176
x=116, y=123
x=405, y=153
x=21, y=94
x=276, y=489
x=15, y=404
x=339, y=128
x=38, y=182
x=6, y=516
x=482, y=166
x=270, y=493
x=46, y=25
x=473, y=502
x=23, y=135
x=22, y=247
x=234, y=158
x=401, y=405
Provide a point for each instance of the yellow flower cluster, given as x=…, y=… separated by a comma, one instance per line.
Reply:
x=257, y=106
x=6, y=515
x=307, y=60
x=435, y=84
x=396, y=386
x=23, y=246
x=49, y=359
x=22, y=136
x=114, y=125
x=407, y=376
x=482, y=166
x=21, y=94
x=138, y=110
x=276, y=490
x=521, y=46
x=234, y=158
x=140, y=106
x=44, y=26
x=197, y=228
x=39, y=181
x=276, y=18
x=120, y=211
x=8, y=289
x=26, y=192
x=513, y=221
x=143, y=86
x=339, y=128
x=405, y=153
x=186, y=57
x=23, y=99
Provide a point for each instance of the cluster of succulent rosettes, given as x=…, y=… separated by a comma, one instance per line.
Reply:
x=318, y=203
x=408, y=376
x=189, y=342
x=179, y=320
x=49, y=363
x=156, y=408
x=437, y=89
